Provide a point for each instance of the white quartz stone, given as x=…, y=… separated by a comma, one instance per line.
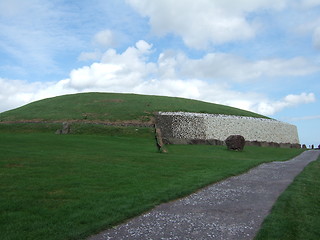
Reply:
x=216, y=126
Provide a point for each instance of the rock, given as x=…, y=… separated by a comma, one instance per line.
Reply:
x=253, y=143
x=264, y=144
x=235, y=142
x=197, y=142
x=274, y=144
x=159, y=141
x=65, y=128
x=214, y=142
x=59, y=131
x=285, y=145
x=296, y=145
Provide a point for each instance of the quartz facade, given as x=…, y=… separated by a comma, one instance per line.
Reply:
x=184, y=125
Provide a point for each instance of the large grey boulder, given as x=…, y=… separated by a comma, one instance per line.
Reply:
x=235, y=142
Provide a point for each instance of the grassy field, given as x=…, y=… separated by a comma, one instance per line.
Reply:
x=295, y=215
x=112, y=107
x=71, y=186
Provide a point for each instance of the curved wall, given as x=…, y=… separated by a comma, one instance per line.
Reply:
x=183, y=125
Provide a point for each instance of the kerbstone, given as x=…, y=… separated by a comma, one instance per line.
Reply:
x=235, y=142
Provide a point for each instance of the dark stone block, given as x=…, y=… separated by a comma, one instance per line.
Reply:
x=235, y=142
x=175, y=141
x=265, y=144
x=253, y=143
x=274, y=144
x=198, y=141
x=297, y=145
x=214, y=142
x=285, y=145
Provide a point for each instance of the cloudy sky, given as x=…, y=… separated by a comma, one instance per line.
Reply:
x=258, y=55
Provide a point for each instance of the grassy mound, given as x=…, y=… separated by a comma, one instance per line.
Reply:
x=71, y=186
x=112, y=107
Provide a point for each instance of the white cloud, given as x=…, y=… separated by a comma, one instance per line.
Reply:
x=316, y=38
x=311, y=26
x=305, y=118
x=270, y=108
x=33, y=32
x=229, y=67
x=13, y=7
x=202, y=22
x=310, y=3
x=15, y=93
x=88, y=56
x=8, y=93
x=104, y=39
x=144, y=47
x=115, y=72
x=131, y=71
x=309, y=21
x=97, y=75
x=298, y=99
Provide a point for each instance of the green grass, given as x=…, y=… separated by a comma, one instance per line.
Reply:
x=296, y=214
x=77, y=128
x=71, y=186
x=112, y=107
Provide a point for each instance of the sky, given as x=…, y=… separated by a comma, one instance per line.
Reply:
x=257, y=55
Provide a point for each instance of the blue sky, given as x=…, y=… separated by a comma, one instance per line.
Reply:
x=259, y=55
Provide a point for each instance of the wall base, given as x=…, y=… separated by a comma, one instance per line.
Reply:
x=216, y=142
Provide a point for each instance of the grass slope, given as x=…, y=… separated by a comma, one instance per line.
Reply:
x=296, y=214
x=112, y=107
x=71, y=186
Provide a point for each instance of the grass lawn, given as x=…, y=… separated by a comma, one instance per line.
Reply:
x=113, y=107
x=296, y=214
x=71, y=186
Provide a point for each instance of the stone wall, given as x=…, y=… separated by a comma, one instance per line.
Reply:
x=184, y=128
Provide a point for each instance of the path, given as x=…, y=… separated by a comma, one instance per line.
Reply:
x=231, y=209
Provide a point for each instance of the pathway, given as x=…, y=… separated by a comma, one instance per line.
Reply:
x=231, y=209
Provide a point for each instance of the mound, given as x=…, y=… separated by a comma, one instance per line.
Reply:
x=112, y=107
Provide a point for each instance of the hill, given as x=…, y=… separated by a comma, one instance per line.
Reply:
x=72, y=186
x=112, y=107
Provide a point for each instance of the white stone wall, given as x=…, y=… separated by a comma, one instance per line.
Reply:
x=213, y=126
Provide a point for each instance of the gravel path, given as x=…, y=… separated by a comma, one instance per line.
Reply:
x=231, y=209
